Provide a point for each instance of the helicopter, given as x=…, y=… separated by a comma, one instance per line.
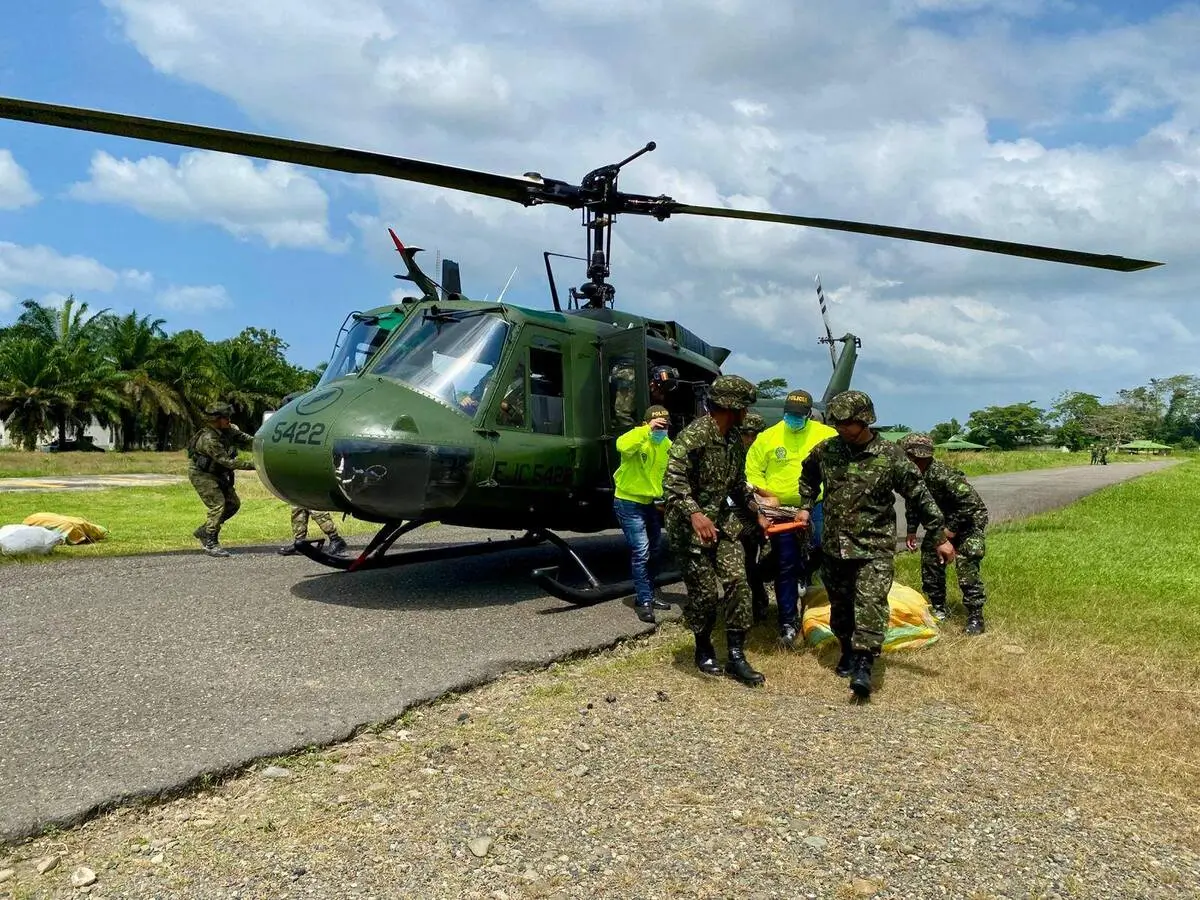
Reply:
x=487, y=414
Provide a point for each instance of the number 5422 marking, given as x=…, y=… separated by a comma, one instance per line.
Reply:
x=298, y=433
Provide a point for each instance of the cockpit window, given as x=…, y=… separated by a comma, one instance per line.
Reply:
x=450, y=355
x=359, y=344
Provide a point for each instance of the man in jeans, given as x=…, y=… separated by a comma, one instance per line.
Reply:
x=638, y=482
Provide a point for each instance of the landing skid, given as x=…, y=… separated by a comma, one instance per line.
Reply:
x=375, y=556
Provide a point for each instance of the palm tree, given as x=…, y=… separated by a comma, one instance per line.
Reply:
x=30, y=388
x=188, y=370
x=138, y=351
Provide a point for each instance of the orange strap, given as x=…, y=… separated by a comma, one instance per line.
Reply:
x=785, y=526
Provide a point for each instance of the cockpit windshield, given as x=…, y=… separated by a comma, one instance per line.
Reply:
x=365, y=336
x=450, y=355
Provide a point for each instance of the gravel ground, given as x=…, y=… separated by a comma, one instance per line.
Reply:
x=628, y=775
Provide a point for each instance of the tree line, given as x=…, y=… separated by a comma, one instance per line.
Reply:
x=1166, y=410
x=62, y=368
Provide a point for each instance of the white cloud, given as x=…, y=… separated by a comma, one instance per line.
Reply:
x=39, y=266
x=15, y=189
x=272, y=201
x=7, y=301
x=196, y=298
x=843, y=108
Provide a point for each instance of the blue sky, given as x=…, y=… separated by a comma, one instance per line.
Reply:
x=1066, y=123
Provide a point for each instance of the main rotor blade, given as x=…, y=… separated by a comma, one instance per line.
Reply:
x=1031, y=251
x=337, y=159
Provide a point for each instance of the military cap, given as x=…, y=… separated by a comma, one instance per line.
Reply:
x=219, y=409
x=851, y=406
x=918, y=445
x=753, y=423
x=798, y=403
x=732, y=392
x=657, y=412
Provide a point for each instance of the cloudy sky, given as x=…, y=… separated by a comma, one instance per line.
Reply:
x=1060, y=122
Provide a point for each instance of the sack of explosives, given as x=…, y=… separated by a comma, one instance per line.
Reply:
x=74, y=529
x=911, y=624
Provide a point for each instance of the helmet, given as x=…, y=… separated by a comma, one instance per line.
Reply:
x=851, y=406
x=219, y=410
x=918, y=445
x=753, y=423
x=732, y=392
x=657, y=412
x=664, y=375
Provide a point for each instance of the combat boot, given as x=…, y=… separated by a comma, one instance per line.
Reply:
x=939, y=609
x=659, y=602
x=975, y=623
x=212, y=548
x=787, y=635
x=860, y=678
x=201, y=534
x=845, y=663
x=706, y=654
x=337, y=546
x=737, y=666
x=288, y=549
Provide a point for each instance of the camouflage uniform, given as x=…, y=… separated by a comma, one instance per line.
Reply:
x=624, y=380
x=212, y=459
x=705, y=475
x=859, y=543
x=300, y=517
x=966, y=517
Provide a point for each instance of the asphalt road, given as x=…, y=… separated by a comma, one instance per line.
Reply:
x=127, y=677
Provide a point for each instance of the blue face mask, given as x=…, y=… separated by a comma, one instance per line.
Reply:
x=657, y=436
x=795, y=422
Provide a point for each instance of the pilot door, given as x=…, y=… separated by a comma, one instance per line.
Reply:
x=624, y=387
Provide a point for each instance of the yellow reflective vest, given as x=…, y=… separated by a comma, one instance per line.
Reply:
x=643, y=463
x=773, y=460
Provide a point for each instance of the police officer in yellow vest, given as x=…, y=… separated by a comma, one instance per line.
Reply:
x=639, y=486
x=773, y=466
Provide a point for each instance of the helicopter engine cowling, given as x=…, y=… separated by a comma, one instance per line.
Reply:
x=369, y=447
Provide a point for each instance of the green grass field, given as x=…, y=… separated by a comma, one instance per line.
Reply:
x=156, y=519
x=19, y=464
x=1121, y=566
x=997, y=462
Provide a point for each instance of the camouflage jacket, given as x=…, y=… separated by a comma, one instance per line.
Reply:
x=215, y=452
x=860, y=503
x=704, y=468
x=959, y=502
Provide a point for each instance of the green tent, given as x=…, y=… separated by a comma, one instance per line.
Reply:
x=1143, y=447
x=959, y=443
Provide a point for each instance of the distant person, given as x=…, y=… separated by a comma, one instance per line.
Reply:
x=212, y=460
x=1104, y=455
x=708, y=507
x=773, y=467
x=966, y=518
x=860, y=473
x=638, y=490
x=1095, y=455
x=753, y=539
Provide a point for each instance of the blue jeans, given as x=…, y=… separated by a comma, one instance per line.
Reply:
x=795, y=565
x=642, y=526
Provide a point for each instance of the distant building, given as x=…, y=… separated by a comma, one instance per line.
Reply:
x=101, y=436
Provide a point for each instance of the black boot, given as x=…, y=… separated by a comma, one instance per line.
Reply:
x=706, y=655
x=737, y=666
x=860, y=678
x=288, y=549
x=845, y=663
x=787, y=635
x=336, y=545
x=975, y=623
x=939, y=609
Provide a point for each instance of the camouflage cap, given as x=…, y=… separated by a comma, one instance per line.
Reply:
x=753, y=423
x=732, y=392
x=918, y=445
x=218, y=410
x=657, y=412
x=798, y=403
x=851, y=406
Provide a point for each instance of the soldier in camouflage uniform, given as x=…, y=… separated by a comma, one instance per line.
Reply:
x=212, y=459
x=860, y=472
x=966, y=518
x=754, y=544
x=707, y=510
x=624, y=378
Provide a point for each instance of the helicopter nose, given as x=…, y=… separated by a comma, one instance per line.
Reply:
x=386, y=453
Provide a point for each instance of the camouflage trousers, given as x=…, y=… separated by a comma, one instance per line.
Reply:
x=300, y=517
x=858, y=599
x=715, y=578
x=971, y=548
x=220, y=498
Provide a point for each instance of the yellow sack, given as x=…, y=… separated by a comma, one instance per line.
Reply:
x=910, y=622
x=73, y=528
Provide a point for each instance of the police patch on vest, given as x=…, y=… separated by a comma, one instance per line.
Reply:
x=781, y=453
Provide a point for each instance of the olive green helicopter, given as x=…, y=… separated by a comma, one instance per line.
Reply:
x=486, y=414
